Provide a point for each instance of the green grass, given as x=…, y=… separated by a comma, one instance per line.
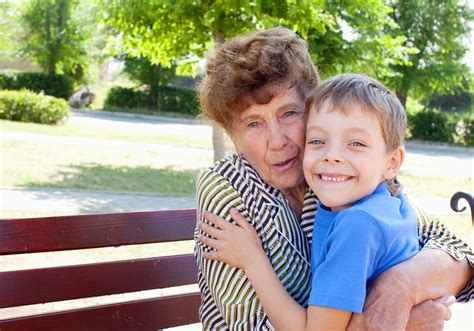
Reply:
x=443, y=187
x=119, y=133
x=107, y=168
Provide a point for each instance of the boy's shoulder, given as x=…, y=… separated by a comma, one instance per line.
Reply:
x=390, y=214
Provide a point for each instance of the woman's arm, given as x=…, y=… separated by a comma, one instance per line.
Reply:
x=443, y=267
x=215, y=278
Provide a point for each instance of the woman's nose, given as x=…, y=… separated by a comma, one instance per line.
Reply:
x=277, y=138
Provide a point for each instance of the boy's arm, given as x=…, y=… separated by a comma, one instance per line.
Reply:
x=241, y=247
x=283, y=311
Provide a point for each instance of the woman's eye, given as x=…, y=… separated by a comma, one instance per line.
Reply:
x=316, y=142
x=290, y=113
x=253, y=124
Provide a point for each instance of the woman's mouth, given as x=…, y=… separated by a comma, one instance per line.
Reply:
x=281, y=166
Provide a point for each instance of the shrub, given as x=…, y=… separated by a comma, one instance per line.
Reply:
x=27, y=106
x=432, y=125
x=58, y=86
x=127, y=98
x=465, y=130
x=171, y=99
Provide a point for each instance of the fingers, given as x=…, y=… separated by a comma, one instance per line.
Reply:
x=213, y=243
x=210, y=230
x=211, y=256
x=447, y=314
x=238, y=218
x=447, y=300
x=214, y=219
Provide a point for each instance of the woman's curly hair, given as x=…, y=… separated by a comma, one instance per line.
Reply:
x=243, y=68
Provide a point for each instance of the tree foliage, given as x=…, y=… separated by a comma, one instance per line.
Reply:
x=437, y=29
x=355, y=40
x=9, y=30
x=164, y=31
x=54, y=38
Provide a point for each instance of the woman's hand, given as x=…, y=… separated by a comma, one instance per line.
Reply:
x=236, y=245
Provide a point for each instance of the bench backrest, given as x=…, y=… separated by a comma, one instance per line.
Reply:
x=44, y=285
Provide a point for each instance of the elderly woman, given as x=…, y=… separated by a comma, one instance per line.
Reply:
x=255, y=88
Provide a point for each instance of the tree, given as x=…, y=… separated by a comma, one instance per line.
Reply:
x=141, y=70
x=436, y=29
x=9, y=31
x=164, y=31
x=53, y=38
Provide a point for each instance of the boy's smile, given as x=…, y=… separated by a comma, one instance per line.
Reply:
x=345, y=156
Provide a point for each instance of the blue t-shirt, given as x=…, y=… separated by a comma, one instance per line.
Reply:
x=353, y=246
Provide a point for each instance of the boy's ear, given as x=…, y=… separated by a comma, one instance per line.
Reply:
x=395, y=161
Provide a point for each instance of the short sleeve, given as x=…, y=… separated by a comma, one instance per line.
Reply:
x=347, y=261
x=433, y=234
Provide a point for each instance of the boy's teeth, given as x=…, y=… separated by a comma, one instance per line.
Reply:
x=334, y=179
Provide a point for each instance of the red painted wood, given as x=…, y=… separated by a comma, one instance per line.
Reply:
x=88, y=231
x=141, y=315
x=26, y=287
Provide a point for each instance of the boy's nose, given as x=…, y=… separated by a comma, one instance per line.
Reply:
x=333, y=155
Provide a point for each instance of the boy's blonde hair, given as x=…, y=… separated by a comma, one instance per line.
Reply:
x=342, y=91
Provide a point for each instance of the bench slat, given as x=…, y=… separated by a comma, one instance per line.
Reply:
x=147, y=314
x=90, y=231
x=88, y=280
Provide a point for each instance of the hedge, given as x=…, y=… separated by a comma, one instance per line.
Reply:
x=27, y=106
x=58, y=86
x=435, y=125
x=169, y=99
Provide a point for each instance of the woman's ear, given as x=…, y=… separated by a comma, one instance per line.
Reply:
x=395, y=161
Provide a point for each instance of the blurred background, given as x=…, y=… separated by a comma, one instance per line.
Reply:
x=98, y=112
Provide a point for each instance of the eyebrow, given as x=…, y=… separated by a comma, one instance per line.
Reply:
x=355, y=129
x=289, y=105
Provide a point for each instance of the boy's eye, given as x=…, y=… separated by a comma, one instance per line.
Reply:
x=316, y=142
x=252, y=125
x=357, y=144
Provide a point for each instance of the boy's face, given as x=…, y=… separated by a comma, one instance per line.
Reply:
x=345, y=156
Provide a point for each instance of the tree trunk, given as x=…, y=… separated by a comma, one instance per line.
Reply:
x=218, y=142
x=403, y=99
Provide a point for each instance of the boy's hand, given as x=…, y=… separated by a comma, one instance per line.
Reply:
x=236, y=245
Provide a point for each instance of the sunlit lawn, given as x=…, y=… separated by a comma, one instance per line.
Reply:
x=105, y=168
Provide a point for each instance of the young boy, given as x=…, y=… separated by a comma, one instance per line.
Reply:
x=363, y=226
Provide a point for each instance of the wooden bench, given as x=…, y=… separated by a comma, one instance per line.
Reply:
x=25, y=287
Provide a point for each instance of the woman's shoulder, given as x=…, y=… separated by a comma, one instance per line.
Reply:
x=222, y=169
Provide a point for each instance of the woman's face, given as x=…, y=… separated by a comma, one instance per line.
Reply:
x=271, y=137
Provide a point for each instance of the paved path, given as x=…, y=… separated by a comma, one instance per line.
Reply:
x=21, y=201
x=69, y=202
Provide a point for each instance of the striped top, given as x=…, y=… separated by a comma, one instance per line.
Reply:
x=228, y=301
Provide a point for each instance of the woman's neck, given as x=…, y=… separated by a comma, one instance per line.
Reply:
x=295, y=196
